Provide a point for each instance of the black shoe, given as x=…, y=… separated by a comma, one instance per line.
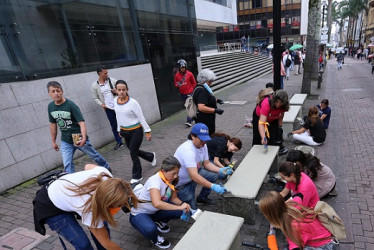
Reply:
x=162, y=243
x=206, y=200
x=118, y=146
x=162, y=227
x=282, y=151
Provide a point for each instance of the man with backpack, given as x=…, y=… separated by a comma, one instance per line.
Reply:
x=185, y=82
x=287, y=61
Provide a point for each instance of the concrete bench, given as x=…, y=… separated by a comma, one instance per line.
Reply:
x=289, y=119
x=246, y=181
x=298, y=99
x=213, y=231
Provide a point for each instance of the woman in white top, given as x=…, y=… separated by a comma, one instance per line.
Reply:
x=130, y=125
x=159, y=203
x=93, y=195
x=321, y=175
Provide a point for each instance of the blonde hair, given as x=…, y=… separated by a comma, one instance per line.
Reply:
x=282, y=214
x=104, y=194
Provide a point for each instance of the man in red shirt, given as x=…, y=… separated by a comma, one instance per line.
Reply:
x=185, y=83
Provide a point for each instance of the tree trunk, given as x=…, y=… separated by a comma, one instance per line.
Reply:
x=312, y=47
x=329, y=20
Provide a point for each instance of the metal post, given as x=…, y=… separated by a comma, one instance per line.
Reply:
x=277, y=43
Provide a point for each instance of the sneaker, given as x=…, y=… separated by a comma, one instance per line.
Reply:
x=188, y=124
x=154, y=162
x=282, y=151
x=206, y=201
x=118, y=146
x=132, y=181
x=248, y=125
x=162, y=227
x=162, y=243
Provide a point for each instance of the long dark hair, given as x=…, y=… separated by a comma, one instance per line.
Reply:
x=287, y=168
x=310, y=163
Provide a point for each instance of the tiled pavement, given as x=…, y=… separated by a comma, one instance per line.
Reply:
x=348, y=150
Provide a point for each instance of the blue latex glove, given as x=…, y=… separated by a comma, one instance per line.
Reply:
x=218, y=188
x=224, y=172
x=186, y=216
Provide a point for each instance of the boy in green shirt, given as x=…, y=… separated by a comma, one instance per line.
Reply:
x=67, y=116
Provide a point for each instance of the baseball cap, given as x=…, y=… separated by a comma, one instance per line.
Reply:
x=202, y=131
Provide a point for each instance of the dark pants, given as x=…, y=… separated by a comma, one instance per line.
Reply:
x=276, y=133
x=133, y=139
x=209, y=120
x=111, y=114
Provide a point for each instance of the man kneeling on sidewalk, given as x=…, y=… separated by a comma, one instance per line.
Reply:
x=196, y=169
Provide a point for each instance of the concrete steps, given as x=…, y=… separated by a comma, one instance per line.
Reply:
x=235, y=68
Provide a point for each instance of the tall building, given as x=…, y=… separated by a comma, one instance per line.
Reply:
x=255, y=22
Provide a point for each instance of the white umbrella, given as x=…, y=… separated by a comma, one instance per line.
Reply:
x=271, y=46
x=371, y=45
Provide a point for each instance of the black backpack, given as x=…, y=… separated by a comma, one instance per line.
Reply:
x=288, y=61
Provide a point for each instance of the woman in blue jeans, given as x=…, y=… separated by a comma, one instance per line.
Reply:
x=158, y=203
x=92, y=195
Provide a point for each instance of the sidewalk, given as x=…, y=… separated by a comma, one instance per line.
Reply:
x=167, y=135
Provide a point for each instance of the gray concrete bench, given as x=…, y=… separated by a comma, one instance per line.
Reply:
x=213, y=231
x=298, y=99
x=289, y=119
x=246, y=181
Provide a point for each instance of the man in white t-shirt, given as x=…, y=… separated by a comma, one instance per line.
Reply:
x=103, y=91
x=196, y=169
x=287, y=64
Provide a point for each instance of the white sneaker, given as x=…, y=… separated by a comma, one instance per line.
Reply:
x=132, y=181
x=162, y=243
x=154, y=162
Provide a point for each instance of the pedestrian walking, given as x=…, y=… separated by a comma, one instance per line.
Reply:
x=94, y=196
x=297, y=62
x=159, y=205
x=196, y=169
x=132, y=126
x=340, y=59
x=287, y=60
x=300, y=225
x=103, y=93
x=185, y=83
x=205, y=101
x=66, y=115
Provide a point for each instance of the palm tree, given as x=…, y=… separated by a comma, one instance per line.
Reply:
x=313, y=39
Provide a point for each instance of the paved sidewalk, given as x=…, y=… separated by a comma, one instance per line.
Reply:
x=348, y=150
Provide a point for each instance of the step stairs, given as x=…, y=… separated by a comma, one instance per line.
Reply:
x=235, y=68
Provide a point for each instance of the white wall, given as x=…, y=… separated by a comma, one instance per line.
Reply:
x=212, y=12
x=25, y=142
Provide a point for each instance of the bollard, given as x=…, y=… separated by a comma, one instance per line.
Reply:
x=320, y=78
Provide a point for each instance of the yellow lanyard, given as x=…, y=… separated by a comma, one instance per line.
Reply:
x=166, y=181
x=266, y=127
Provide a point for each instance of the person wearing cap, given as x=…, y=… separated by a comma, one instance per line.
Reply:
x=205, y=101
x=267, y=120
x=185, y=82
x=196, y=169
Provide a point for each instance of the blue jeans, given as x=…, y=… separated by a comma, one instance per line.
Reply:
x=68, y=227
x=68, y=150
x=111, y=114
x=187, y=191
x=281, y=82
x=145, y=223
x=184, y=97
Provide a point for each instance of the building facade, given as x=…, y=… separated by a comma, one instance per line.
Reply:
x=255, y=22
